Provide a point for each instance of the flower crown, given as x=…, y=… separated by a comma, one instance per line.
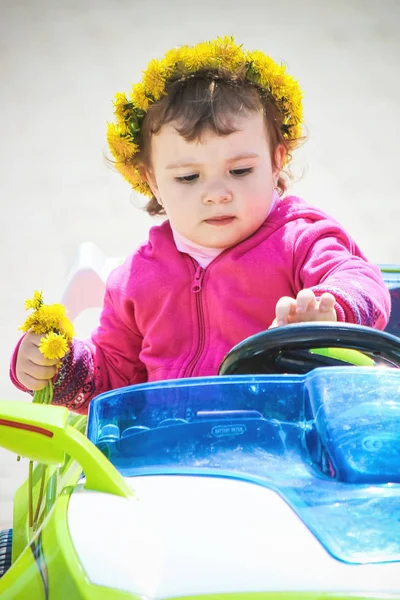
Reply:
x=222, y=54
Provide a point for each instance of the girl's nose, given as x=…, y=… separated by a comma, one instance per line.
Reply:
x=217, y=195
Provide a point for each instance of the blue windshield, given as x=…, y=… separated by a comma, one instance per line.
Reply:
x=328, y=442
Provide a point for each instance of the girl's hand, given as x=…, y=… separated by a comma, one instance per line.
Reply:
x=33, y=370
x=306, y=307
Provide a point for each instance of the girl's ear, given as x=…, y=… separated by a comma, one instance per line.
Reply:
x=279, y=159
x=148, y=175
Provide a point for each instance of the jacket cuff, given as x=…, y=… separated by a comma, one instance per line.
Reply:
x=346, y=310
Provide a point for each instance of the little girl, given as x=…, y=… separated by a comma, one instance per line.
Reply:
x=207, y=135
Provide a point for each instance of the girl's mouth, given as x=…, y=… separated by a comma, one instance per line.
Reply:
x=223, y=220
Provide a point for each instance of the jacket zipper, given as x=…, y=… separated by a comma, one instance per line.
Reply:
x=196, y=289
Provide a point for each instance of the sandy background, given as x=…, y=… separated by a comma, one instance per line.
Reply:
x=62, y=62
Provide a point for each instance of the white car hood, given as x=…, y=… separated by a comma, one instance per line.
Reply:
x=186, y=535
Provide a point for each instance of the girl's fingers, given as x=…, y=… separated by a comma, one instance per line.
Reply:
x=31, y=383
x=32, y=369
x=284, y=307
x=306, y=301
x=306, y=307
x=42, y=373
x=37, y=358
x=327, y=302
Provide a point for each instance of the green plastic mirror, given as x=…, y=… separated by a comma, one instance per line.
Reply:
x=31, y=431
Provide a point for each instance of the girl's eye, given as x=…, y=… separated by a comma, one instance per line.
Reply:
x=241, y=172
x=187, y=178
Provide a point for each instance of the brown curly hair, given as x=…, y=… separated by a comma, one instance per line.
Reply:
x=201, y=102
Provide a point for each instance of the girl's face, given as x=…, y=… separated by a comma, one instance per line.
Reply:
x=216, y=191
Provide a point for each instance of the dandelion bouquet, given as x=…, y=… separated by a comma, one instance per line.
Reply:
x=51, y=321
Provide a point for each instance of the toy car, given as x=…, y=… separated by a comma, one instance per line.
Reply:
x=274, y=479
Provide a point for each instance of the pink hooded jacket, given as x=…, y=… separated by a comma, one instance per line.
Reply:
x=166, y=317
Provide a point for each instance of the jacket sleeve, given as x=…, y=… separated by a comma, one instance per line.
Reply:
x=109, y=359
x=326, y=259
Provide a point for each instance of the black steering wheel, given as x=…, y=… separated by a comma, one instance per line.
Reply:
x=295, y=349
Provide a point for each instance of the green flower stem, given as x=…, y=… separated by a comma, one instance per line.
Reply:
x=44, y=396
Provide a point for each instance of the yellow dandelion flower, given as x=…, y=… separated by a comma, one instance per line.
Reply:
x=133, y=176
x=195, y=58
x=263, y=67
x=32, y=324
x=50, y=316
x=38, y=328
x=172, y=57
x=120, y=142
x=284, y=89
x=164, y=69
x=154, y=78
x=208, y=55
x=229, y=55
x=139, y=97
x=120, y=104
x=180, y=61
x=67, y=329
x=36, y=302
x=53, y=346
x=143, y=188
